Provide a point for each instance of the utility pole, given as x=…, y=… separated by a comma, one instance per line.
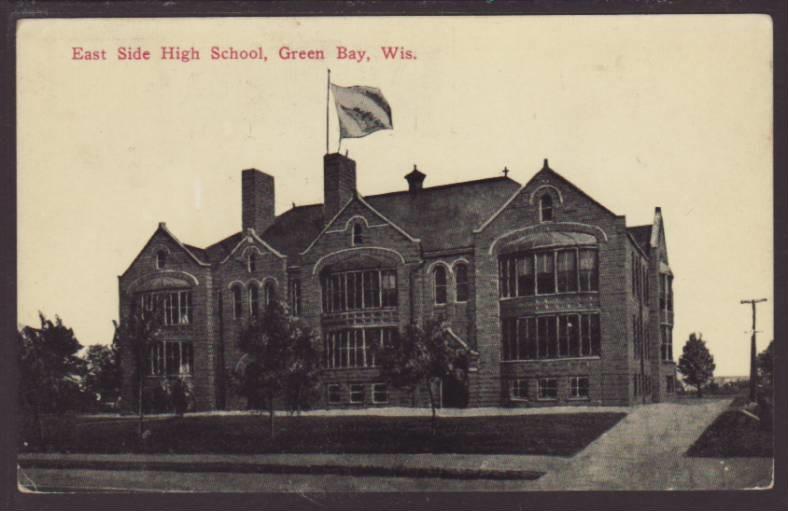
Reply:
x=753, y=368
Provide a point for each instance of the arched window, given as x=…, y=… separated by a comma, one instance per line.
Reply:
x=268, y=293
x=546, y=208
x=254, y=300
x=461, y=280
x=237, y=302
x=439, y=276
x=161, y=259
x=251, y=262
x=358, y=235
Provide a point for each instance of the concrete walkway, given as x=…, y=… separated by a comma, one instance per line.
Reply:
x=645, y=451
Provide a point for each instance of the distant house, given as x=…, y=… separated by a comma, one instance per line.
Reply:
x=556, y=300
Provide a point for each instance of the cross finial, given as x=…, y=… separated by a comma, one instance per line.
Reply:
x=505, y=171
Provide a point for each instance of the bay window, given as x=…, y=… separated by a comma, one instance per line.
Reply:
x=170, y=358
x=175, y=305
x=355, y=347
x=358, y=290
x=550, y=336
x=566, y=270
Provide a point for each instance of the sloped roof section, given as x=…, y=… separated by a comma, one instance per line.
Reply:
x=444, y=217
x=221, y=249
x=294, y=230
x=642, y=235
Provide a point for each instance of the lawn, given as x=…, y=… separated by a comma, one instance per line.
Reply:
x=734, y=434
x=549, y=434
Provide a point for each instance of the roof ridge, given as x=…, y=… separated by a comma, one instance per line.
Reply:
x=444, y=186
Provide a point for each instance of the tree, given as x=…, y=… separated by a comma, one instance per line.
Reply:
x=420, y=357
x=103, y=374
x=49, y=370
x=279, y=362
x=765, y=365
x=138, y=331
x=696, y=363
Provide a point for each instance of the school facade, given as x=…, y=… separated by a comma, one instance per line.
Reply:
x=554, y=298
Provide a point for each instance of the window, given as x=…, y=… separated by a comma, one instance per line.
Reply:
x=635, y=336
x=161, y=259
x=550, y=336
x=636, y=384
x=666, y=346
x=670, y=384
x=251, y=262
x=461, y=280
x=269, y=293
x=356, y=393
x=171, y=358
x=390, y=298
x=354, y=290
x=295, y=297
x=546, y=208
x=254, y=300
x=545, y=274
x=547, y=388
x=519, y=389
x=237, y=302
x=358, y=235
x=525, y=276
x=439, y=277
x=567, y=271
x=354, y=347
x=579, y=387
x=176, y=306
x=333, y=393
x=670, y=293
x=589, y=272
x=380, y=393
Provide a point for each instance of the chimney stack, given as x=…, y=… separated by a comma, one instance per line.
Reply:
x=257, y=200
x=339, y=183
x=415, y=179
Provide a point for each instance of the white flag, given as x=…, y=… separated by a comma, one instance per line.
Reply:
x=361, y=110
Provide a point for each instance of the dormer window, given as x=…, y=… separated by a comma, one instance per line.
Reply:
x=161, y=259
x=251, y=262
x=358, y=235
x=546, y=208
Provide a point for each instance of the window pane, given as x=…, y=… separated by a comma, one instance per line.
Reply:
x=545, y=274
x=567, y=271
x=461, y=274
x=595, y=335
x=525, y=275
x=588, y=270
x=440, y=284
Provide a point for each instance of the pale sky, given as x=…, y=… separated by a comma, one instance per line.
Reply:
x=638, y=111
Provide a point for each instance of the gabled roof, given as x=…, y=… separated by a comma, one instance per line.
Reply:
x=190, y=251
x=443, y=217
x=642, y=236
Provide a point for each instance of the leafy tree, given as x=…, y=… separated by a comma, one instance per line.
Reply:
x=696, y=363
x=103, y=374
x=420, y=357
x=138, y=331
x=49, y=370
x=765, y=364
x=280, y=361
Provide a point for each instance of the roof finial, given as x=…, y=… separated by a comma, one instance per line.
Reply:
x=346, y=151
x=505, y=171
x=545, y=166
x=414, y=167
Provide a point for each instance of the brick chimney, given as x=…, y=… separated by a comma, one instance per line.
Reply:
x=257, y=200
x=339, y=183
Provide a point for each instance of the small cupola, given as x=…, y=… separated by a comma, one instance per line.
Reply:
x=415, y=179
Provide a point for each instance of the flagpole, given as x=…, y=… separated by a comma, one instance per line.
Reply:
x=328, y=89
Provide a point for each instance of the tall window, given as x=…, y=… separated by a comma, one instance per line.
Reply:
x=295, y=297
x=237, y=302
x=251, y=262
x=461, y=279
x=358, y=235
x=546, y=208
x=354, y=290
x=161, y=259
x=670, y=293
x=545, y=274
x=666, y=346
x=589, y=270
x=550, y=336
x=567, y=271
x=269, y=293
x=254, y=300
x=439, y=278
x=170, y=358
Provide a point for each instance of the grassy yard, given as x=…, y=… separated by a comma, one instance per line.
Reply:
x=734, y=434
x=553, y=434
